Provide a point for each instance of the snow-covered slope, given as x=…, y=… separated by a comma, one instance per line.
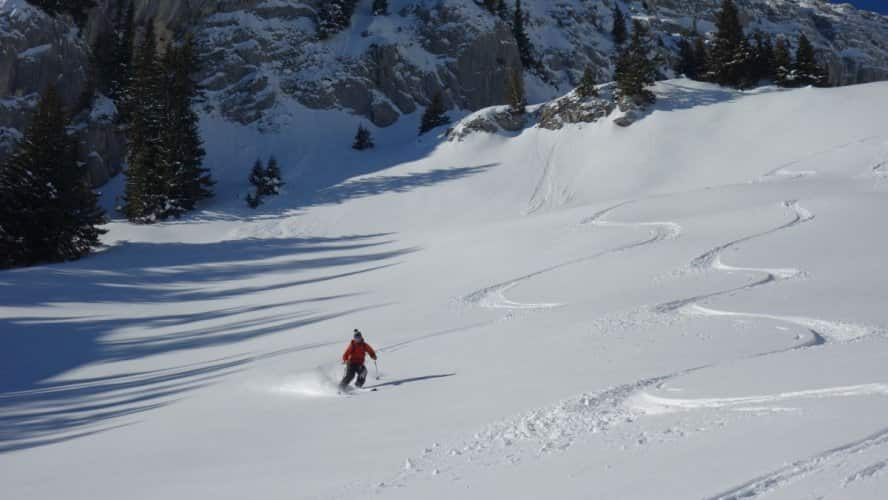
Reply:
x=689, y=307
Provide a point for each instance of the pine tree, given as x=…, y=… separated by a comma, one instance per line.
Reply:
x=782, y=63
x=634, y=69
x=380, y=7
x=363, y=139
x=49, y=213
x=700, y=57
x=517, y=95
x=519, y=31
x=618, y=31
x=144, y=197
x=335, y=16
x=587, y=87
x=182, y=146
x=764, y=56
x=491, y=5
x=165, y=176
x=273, y=183
x=434, y=115
x=111, y=57
x=806, y=70
x=257, y=179
x=687, y=63
x=266, y=181
x=730, y=56
x=123, y=53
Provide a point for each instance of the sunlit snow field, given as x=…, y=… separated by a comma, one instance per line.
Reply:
x=691, y=307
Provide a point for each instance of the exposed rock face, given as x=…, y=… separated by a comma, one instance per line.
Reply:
x=574, y=109
x=262, y=57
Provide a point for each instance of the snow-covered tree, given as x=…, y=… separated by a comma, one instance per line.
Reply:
x=731, y=57
x=335, y=16
x=266, y=181
x=806, y=70
x=635, y=70
x=49, y=212
x=782, y=62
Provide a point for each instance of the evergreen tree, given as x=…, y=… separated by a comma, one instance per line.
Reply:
x=380, y=7
x=111, y=57
x=782, y=63
x=257, y=179
x=687, y=63
x=764, y=56
x=517, y=95
x=806, y=71
x=182, y=146
x=730, y=57
x=266, y=181
x=144, y=197
x=519, y=31
x=491, y=5
x=49, y=213
x=165, y=176
x=335, y=16
x=587, y=87
x=273, y=182
x=634, y=69
x=363, y=139
x=434, y=115
x=700, y=57
x=618, y=31
x=123, y=53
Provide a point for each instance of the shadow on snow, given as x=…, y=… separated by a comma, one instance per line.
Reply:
x=409, y=380
x=35, y=347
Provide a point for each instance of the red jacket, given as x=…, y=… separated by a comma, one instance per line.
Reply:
x=356, y=351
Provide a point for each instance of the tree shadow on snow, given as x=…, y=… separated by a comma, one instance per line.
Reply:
x=36, y=347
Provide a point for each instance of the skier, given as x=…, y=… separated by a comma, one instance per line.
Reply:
x=353, y=358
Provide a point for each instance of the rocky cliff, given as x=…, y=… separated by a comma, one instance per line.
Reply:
x=260, y=56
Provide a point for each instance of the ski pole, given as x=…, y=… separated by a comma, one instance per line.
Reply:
x=377, y=369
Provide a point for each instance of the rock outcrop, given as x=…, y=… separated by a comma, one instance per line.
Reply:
x=262, y=58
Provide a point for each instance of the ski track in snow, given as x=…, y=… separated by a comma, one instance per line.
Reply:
x=557, y=427
x=799, y=469
x=822, y=330
x=783, y=172
x=654, y=405
x=493, y=297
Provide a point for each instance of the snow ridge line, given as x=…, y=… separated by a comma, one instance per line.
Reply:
x=493, y=297
x=801, y=468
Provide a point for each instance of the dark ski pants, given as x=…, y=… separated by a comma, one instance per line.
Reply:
x=350, y=371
